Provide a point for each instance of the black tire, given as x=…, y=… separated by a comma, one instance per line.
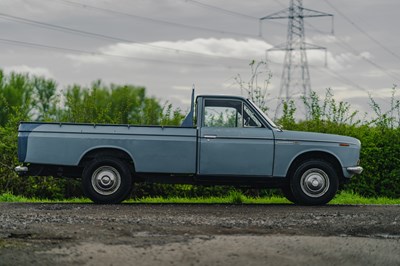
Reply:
x=107, y=180
x=314, y=182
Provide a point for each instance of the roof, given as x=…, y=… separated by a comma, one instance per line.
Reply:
x=221, y=96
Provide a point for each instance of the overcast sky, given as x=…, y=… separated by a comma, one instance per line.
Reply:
x=168, y=45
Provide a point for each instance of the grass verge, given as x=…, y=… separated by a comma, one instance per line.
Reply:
x=235, y=197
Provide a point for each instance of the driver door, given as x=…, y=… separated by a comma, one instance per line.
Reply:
x=233, y=140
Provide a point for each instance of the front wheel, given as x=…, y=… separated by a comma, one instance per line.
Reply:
x=314, y=182
x=107, y=180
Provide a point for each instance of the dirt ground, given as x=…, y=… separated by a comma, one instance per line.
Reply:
x=185, y=234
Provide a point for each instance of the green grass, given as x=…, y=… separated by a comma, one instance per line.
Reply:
x=234, y=197
x=8, y=197
x=346, y=197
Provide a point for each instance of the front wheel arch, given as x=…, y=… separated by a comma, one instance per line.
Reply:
x=317, y=155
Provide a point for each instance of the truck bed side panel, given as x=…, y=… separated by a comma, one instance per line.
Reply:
x=153, y=149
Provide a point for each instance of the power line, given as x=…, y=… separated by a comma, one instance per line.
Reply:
x=335, y=74
x=115, y=12
x=354, y=51
x=280, y=3
x=223, y=10
x=158, y=21
x=347, y=81
x=234, y=13
x=346, y=46
x=295, y=73
x=229, y=12
x=100, y=36
x=341, y=78
x=379, y=43
x=349, y=48
x=78, y=51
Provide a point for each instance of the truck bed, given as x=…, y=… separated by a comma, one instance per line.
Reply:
x=155, y=149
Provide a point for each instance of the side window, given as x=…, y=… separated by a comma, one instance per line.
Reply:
x=228, y=113
x=222, y=113
x=250, y=119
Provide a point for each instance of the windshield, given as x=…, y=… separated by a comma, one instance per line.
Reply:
x=263, y=114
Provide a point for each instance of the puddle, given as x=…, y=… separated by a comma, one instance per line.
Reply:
x=379, y=236
x=387, y=236
x=19, y=235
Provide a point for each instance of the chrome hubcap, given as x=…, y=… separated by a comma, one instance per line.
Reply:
x=106, y=180
x=314, y=182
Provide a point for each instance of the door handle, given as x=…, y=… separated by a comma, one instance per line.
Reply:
x=210, y=136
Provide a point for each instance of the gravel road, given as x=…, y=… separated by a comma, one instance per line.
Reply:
x=185, y=234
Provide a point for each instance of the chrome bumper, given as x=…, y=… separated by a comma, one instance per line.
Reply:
x=21, y=170
x=355, y=170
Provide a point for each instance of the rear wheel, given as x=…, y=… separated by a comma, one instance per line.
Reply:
x=314, y=182
x=107, y=180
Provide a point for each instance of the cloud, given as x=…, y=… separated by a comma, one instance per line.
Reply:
x=21, y=6
x=344, y=93
x=181, y=88
x=366, y=55
x=345, y=60
x=201, y=49
x=328, y=39
x=210, y=47
x=37, y=71
x=88, y=58
x=374, y=73
x=320, y=58
x=49, y=9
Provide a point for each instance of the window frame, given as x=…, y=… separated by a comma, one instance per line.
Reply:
x=253, y=113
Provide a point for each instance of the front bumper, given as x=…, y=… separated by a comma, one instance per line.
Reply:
x=21, y=170
x=355, y=170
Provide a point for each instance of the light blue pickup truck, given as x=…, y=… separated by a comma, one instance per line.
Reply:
x=224, y=140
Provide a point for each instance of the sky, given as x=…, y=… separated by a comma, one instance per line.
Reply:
x=169, y=45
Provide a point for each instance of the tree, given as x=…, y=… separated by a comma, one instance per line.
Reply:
x=15, y=91
x=44, y=99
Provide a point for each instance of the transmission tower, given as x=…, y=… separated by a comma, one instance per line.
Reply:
x=295, y=79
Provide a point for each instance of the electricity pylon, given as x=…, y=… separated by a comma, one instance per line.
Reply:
x=295, y=79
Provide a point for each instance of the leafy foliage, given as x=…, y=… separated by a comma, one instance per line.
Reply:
x=23, y=97
x=380, y=138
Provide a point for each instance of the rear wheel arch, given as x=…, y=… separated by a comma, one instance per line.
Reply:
x=110, y=153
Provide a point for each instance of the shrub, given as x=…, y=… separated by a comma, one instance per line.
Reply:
x=34, y=98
